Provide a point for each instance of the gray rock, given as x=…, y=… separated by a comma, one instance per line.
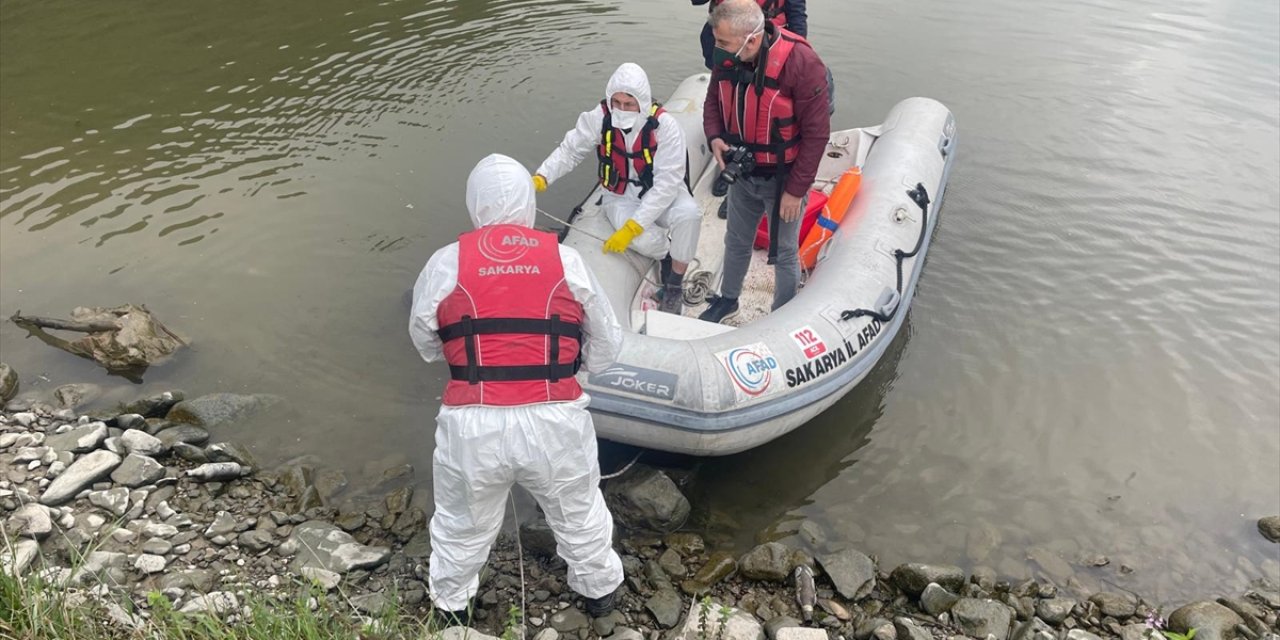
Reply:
x=323, y=545
x=79, y=440
x=157, y=546
x=982, y=539
x=8, y=383
x=418, y=546
x=218, y=603
x=197, y=580
x=218, y=408
x=1116, y=605
x=159, y=530
x=672, y=563
x=538, y=538
x=460, y=633
x=15, y=557
x=115, y=501
x=83, y=472
x=187, y=433
x=908, y=629
x=137, y=470
x=740, y=625
x=569, y=620
x=1081, y=634
x=100, y=564
x=26, y=454
x=128, y=421
x=1269, y=527
x=256, y=540
x=148, y=564
x=980, y=618
x=216, y=472
x=604, y=626
x=1055, y=610
x=371, y=603
x=330, y=483
x=1051, y=563
x=31, y=520
x=645, y=498
x=626, y=633
x=1211, y=620
x=230, y=452
x=936, y=600
x=223, y=524
x=665, y=605
x=329, y=580
x=70, y=396
x=190, y=453
x=142, y=443
x=547, y=634
x=800, y=633
x=154, y=406
x=853, y=573
x=1034, y=629
x=775, y=626
x=771, y=561
x=912, y=578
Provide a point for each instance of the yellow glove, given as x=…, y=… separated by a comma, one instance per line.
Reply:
x=617, y=243
x=539, y=183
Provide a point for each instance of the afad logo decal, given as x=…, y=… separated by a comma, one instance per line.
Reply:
x=505, y=243
x=751, y=368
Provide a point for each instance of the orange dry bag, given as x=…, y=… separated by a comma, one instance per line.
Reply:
x=829, y=220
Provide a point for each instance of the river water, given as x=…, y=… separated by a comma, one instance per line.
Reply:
x=1091, y=365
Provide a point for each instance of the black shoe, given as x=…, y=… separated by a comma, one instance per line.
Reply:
x=672, y=299
x=445, y=619
x=723, y=213
x=721, y=309
x=602, y=606
x=664, y=268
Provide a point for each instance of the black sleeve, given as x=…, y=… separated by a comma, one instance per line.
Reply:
x=797, y=18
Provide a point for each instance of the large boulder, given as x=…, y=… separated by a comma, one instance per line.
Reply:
x=1269, y=527
x=83, y=472
x=853, y=573
x=645, y=498
x=325, y=546
x=1211, y=620
x=219, y=408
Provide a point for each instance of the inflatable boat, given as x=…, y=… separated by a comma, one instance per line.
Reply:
x=687, y=386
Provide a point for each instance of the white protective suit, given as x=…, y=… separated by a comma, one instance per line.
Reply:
x=549, y=449
x=667, y=205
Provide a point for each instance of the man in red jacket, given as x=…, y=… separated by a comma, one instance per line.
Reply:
x=768, y=94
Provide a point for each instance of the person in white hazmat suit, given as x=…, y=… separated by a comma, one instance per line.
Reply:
x=513, y=313
x=640, y=151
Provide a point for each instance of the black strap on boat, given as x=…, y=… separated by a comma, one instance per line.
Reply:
x=468, y=328
x=920, y=196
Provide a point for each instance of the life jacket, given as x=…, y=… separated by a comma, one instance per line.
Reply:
x=620, y=166
x=511, y=328
x=775, y=11
x=755, y=113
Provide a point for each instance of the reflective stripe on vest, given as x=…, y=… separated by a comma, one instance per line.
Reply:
x=511, y=328
x=620, y=167
x=755, y=113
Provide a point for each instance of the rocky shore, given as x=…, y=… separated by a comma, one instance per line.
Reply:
x=114, y=508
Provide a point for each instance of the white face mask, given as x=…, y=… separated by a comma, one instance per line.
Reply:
x=625, y=119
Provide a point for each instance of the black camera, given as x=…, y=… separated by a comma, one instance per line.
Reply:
x=738, y=162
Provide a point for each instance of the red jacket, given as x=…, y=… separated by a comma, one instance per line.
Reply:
x=804, y=80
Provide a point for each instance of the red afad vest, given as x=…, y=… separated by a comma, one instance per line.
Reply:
x=775, y=11
x=620, y=166
x=755, y=113
x=511, y=328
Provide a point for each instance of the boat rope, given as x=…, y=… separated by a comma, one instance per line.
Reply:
x=919, y=196
x=643, y=273
x=624, y=469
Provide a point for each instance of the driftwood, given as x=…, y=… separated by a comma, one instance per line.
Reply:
x=122, y=339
